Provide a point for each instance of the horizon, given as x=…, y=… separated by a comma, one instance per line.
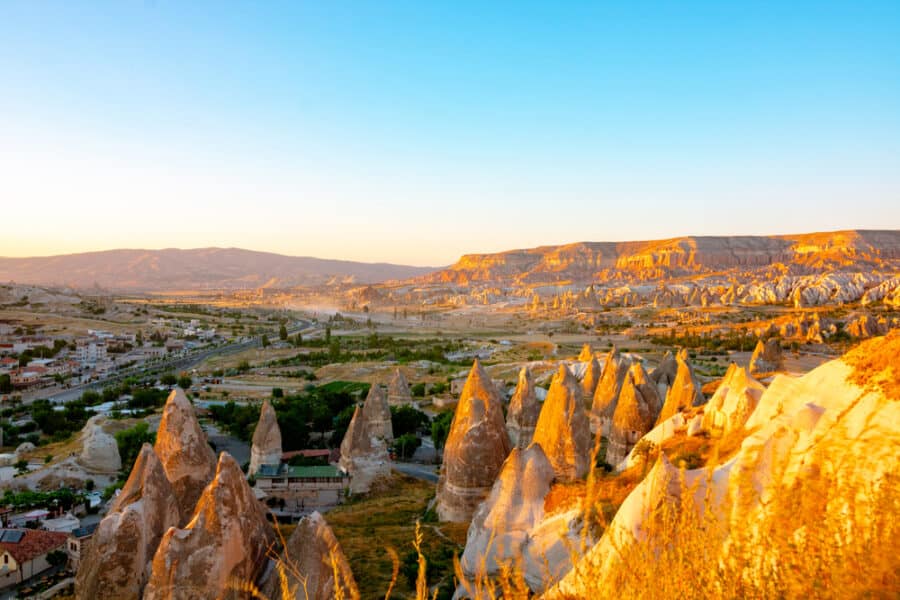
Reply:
x=414, y=134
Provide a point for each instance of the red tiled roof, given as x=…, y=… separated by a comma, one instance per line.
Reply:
x=34, y=543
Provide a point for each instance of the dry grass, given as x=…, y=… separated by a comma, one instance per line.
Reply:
x=875, y=365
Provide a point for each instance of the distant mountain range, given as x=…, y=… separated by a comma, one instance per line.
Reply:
x=600, y=262
x=201, y=268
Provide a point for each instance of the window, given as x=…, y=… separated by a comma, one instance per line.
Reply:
x=6, y=559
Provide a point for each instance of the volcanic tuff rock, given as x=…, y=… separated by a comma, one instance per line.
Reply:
x=587, y=353
x=475, y=449
x=523, y=412
x=363, y=455
x=266, y=447
x=224, y=543
x=309, y=560
x=828, y=439
x=563, y=430
x=734, y=401
x=685, y=390
x=633, y=417
x=500, y=530
x=664, y=374
x=377, y=414
x=185, y=454
x=590, y=379
x=117, y=560
x=767, y=357
x=99, y=452
x=607, y=393
x=398, y=389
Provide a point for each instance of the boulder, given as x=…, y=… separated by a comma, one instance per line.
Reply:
x=24, y=448
x=266, y=446
x=117, y=560
x=312, y=565
x=99, y=451
x=223, y=547
x=563, y=429
x=185, y=454
x=523, y=411
x=476, y=447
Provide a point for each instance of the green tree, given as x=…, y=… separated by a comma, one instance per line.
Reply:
x=298, y=340
x=130, y=441
x=440, y=428
x=406, y=419
x=265, y=341
x=277, y=393
x=282, y=333
x=185, y=382
x=21, y=466
x=5, y=384
x=168, y=379
x=406, y=445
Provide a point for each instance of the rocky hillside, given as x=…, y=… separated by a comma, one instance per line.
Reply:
x=597, y=262
x=201, y=268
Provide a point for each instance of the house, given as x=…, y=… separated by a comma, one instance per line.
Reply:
x=77, y=544
x=300, y=490
x=64, y=523
x=24, y=553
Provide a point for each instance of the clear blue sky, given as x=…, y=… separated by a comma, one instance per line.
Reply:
x=414, y=132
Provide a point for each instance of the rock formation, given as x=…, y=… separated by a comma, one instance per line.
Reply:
x=476, y=447
x=377, y=414
x=523, y=411
x=587, y=353
x=99, y=453
x=821, y=453
x=500, y=531
x=733, y=403
x=185, y=454
x=308, y=564
x=767, y=357
x=398, y=392
x=631, y=420
x=607, y=393
x=224, y=544
x=363, y=455
x=664, y=374
x=685, y=390
x=117, y=560
x=563, y=429
x=590, y=379
x=266, y=447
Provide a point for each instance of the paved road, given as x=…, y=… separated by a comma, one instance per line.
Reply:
x=423, y=472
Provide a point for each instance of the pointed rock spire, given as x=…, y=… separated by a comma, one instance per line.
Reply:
x=475, y=449
x=117, y=559
x=363, y=455
x=685, y=390
x=185, y=454
x=587, y=353
x=591, y=378
x=664, y=374
x=312, y=557
x=523, y=411
x=631, y=420
x=647, y=389
x=398, y=389
x=502, y=524
x=224, y=543
x=266, y=447
x=607, y=393
x=767, y=357
x=733, y=403
x=377, y=413
x=563, y=430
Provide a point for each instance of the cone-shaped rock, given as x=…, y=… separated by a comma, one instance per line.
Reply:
x=523, y=411
x=647, y=389
x=377, y=413
x=591, y=378
x=475, y=449
x=182, y=448
x=767, y=357
x=363, y=455
x=685, y=390
x=632, y=419
x=586, y=353
x=266, y=448
x=99, y=453
x=118, y=556
x=563, y=430
x=398, y=390
x=664, y=374
x=501, y=525
x=607, y=393
x=733, y=403
x=225, y=543
x=308, y=563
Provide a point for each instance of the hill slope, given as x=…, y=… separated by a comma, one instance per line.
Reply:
x=210, y=268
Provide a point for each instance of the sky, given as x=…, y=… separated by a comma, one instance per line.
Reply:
x=414, y=132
